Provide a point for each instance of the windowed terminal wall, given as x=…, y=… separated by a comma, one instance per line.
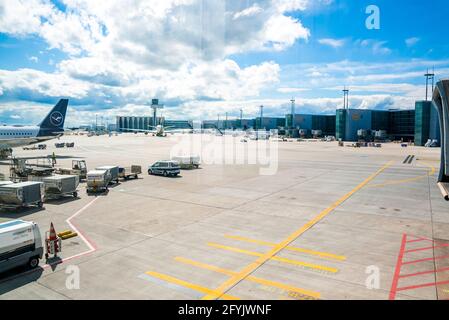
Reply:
x=139, y=123
x=426, y=123
x=399, y=124
x=325, y=123
x=402, y=125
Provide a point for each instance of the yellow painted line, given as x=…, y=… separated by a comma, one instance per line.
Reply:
x=249, y=278
x=296, y=249
x=189, y=285
x=279, y=259
x=430, y=173
x=228, y=284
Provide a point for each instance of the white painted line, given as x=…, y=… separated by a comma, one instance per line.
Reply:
x=88, y=243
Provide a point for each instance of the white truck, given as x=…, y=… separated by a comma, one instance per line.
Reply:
x=20, y=244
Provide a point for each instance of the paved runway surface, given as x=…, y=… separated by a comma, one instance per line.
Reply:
x=331, y=223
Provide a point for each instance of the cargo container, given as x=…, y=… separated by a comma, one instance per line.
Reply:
x=22, y=194
x=59, y=186
x=4, y=183
x=113, y=171
x=98, y=180
x=20, y=244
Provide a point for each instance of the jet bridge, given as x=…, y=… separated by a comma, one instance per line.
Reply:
x=441, y=103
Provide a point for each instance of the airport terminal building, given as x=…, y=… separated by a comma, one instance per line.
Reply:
x=397, y=124
x=418, y=125
x=309, y=123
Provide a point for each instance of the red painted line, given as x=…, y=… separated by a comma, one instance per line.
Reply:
x=394, y=284
x=418, y=240
x=423, y=285
x=426, y=259
x=428, y=248
x=423, y=273
x=90, y=244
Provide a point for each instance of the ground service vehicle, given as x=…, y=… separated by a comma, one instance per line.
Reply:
x=165, y=168
x=79, y=168
x=20, y=244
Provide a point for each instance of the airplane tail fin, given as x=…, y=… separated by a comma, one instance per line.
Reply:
x=54, y=121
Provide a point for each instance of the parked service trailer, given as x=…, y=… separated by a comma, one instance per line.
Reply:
x=126, y=173
x=23, y=194
x=59, y=186
x=20, y=244
x=98, y=180
x=187, y=162
x=113, y=171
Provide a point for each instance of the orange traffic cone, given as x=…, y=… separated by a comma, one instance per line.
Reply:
x=52, y=235
x=53, y=242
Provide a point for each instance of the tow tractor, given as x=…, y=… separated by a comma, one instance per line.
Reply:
x=79, y=168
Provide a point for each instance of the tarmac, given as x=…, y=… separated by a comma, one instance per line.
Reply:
x=329, y=223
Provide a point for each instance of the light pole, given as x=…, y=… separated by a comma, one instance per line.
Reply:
x=429, y=76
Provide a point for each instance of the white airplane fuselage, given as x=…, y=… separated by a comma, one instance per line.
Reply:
x=15, y=136
x=51, y=127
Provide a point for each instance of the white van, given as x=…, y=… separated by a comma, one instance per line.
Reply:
x=20, y=244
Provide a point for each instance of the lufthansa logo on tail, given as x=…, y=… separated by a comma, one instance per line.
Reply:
x=56, y=118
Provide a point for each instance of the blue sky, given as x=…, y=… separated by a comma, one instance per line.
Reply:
x=206, y=58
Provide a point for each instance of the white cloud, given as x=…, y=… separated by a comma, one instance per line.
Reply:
x=291, y=5
x=292, y=90
x=410, y=42
x=334, y=43
x=22, y=17
x=124, y=52
x=281, y=32
x=248, y=12
x=377, y=47
x=34, y=59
